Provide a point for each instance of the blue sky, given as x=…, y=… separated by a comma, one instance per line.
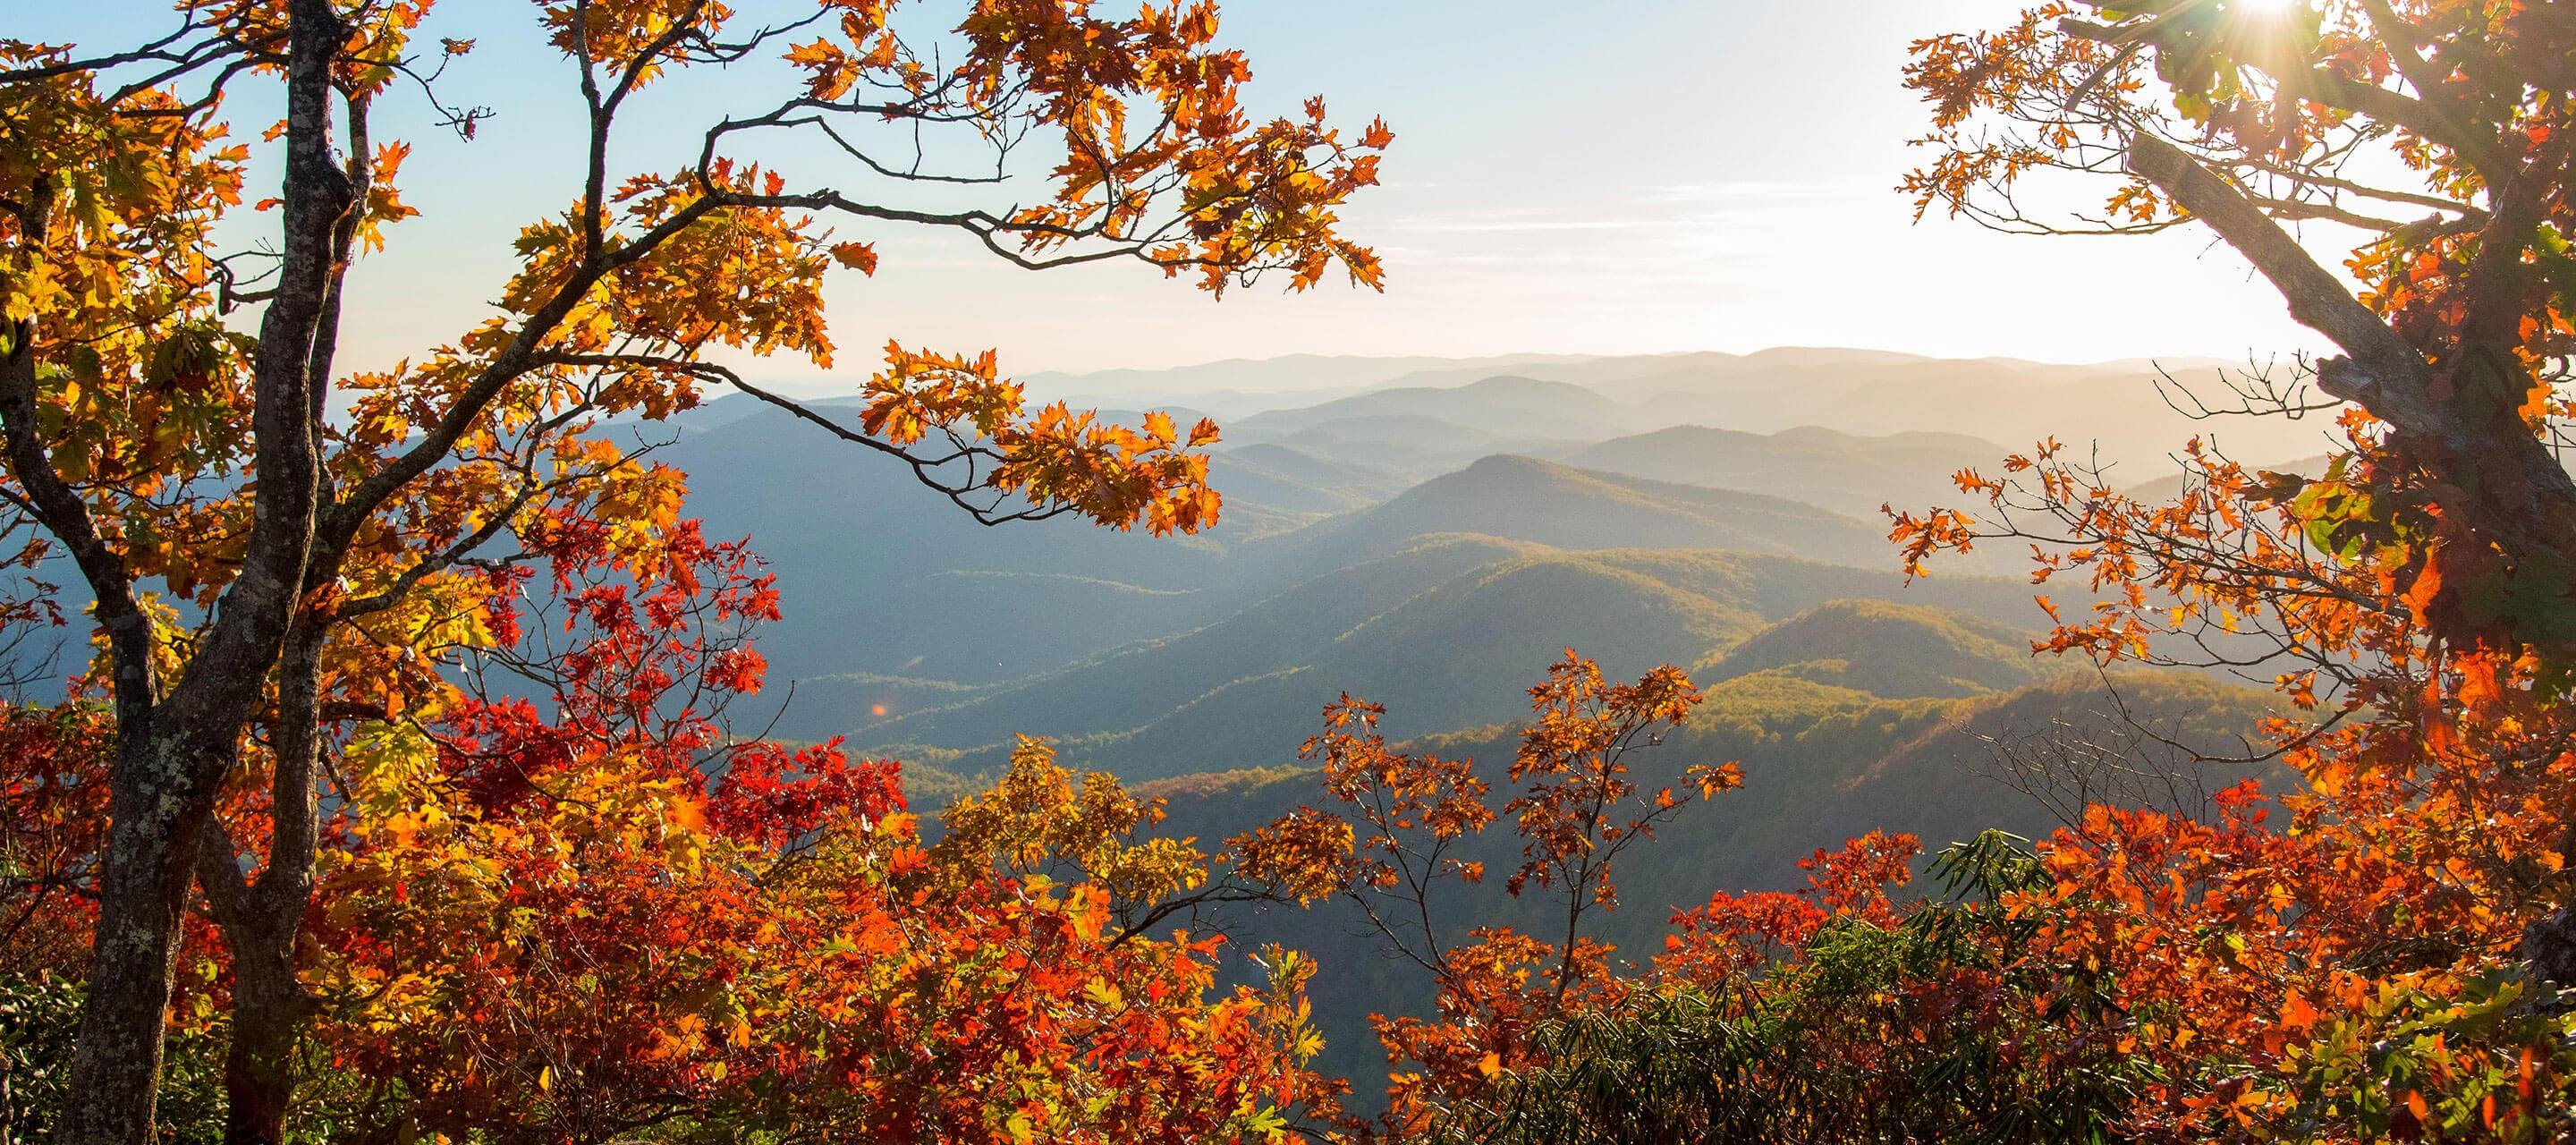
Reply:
x=1636, y=176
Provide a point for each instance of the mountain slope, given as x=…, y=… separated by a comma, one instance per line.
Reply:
x=1507, y=407
x=1526, y=499
x=1897, y=651
x=1291, y=479
x=1446, y=634
x=1824, y=467
x=1128, y=688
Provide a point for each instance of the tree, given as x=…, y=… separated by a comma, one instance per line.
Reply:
x=572, y=906
x=2379, y=950
x=1395, y=841
x=2428, y=132
x=167, y=401
x=2441, y=540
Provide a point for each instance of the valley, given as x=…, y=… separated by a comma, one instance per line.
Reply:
x=1430, y=538
x=1424, y=536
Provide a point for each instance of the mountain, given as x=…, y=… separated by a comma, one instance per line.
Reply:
x=2129, y=405
x=1393, y=436
x=2128, y=410
x=1447, y=633
x=1601, y=371
x=1272, y=489
x=1525, y=499
x=1238, y=387
x=1280, y=476
x=1844, y=472
x=922, y=634
x=883, y=577
x=1459, y=655
x=878, y=574
x=1899, y=651
x=1504, y=406
x=1132, y=686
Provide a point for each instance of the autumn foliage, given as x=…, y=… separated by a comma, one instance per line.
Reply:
x=2378, y=951
x=586, y=910
x=398, y=795
x=291, y=564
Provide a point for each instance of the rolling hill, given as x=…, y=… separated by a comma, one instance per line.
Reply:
x=1447, y=634
x=1506, y=406
x=1525, y=499
x=1834, y=470
x=1132, y=686
x=1883, y=648
x=1280, y=476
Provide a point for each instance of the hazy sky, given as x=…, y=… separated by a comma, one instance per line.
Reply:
x=1636, y=176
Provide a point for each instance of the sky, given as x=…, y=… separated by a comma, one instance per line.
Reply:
x=1642, y=176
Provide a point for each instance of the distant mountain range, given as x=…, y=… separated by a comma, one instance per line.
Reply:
x=1367, y=540
x=1530, y=403
x=1449, y=634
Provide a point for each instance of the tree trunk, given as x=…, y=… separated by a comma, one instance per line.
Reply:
x=261, y=919
x=2549, y=947
x=269, y=1012
x=143, y=886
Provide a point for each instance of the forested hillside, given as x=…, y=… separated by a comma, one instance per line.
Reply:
x=890, y=593
x=1819, y=762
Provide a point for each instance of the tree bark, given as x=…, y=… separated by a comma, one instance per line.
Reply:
x=154, y=819
x=2525, y=500
x=270, y=1010
x=261, y=918
x=2549, y=945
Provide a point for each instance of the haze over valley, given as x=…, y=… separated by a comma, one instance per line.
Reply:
x=1430, y=535
x=1425, y=534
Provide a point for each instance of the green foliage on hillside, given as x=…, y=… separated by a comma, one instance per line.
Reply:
x=1446, y=635
x=1886, y=649
x=1527, y=499
x=1820, y=763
